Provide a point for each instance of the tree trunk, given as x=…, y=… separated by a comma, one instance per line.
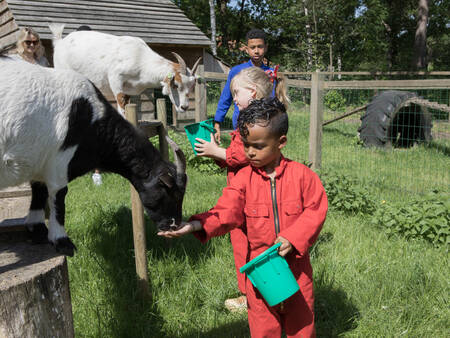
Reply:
x=34, y=290
x=309, y=40
x=420, y=42
x=212, y=14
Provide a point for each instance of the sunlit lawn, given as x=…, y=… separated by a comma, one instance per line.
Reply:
x=366, y=284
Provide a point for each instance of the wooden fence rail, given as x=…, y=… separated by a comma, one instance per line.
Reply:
x=318, y=84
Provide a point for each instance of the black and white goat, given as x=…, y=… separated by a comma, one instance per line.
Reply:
x=122, y=65
x=55, y=126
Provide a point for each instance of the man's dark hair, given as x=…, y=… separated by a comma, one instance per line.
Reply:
x=256, y=33
x=267, y=112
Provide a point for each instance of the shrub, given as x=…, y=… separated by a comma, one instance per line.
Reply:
x=201, y=164
x=427, y=217
x=346, y=195
x=334, y=100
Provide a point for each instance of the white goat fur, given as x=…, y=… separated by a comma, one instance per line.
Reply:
x=30, y=148
x=121, y=65
x=56, y=126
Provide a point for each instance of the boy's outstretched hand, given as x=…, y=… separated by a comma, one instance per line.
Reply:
x=184, y=229
x=285, y=247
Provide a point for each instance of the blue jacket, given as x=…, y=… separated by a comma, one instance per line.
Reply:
x=226, y=98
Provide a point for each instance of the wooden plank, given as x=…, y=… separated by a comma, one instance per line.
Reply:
x=5, y=17
x=200, y=95
x=137, y=212
x=15, y=193
x=13, y=224
x=298, y=83
x=8, y=28
x=3, y=5
x=162, y=117
x=374, y=73
x=87, y=5
x=120, y=27
x=101, y=16
x=385, y=84
x=8, y=40
x=316, y=120
x=213, y=76
x=81, y=13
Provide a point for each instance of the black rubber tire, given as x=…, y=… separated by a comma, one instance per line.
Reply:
x=384, y=124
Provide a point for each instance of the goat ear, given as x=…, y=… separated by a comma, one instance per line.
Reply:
x=167, y=180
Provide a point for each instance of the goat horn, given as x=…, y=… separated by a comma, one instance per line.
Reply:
x=180, y=159
x=181, y=63
x=195, y=65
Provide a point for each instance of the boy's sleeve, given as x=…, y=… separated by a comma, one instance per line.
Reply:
x=226, y=215
x=306, y=229
x=225, y=99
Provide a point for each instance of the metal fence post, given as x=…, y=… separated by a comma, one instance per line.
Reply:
x=316, y=120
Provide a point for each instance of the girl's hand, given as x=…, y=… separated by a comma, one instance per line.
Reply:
x=210, y=149
x=184, y=229
x=285, y=247
x=217, y=128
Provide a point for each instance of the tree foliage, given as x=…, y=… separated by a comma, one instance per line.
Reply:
x=363, y=34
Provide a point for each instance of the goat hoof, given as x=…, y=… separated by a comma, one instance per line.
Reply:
x=38, y=233
x=65, y=246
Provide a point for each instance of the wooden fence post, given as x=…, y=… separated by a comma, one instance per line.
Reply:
x=162, y=116
x=200, y=95
x=316, y=120
x=137, y=212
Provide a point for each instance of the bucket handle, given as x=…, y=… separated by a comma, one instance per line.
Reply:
x=208, y=126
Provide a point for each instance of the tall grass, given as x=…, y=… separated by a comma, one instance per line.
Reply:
x=366, y=285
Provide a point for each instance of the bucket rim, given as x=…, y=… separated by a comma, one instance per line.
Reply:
x=260, y=257
x=208, y=124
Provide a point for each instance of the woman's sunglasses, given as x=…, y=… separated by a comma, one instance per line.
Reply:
x=30, y=42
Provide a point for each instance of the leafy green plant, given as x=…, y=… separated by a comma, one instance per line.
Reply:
x=334, y=100
x=201, y=164
x=204, y=164
x=426, y=217
x=346, y=195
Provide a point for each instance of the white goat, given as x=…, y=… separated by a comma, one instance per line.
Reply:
x=122, y=65
x=55, y=125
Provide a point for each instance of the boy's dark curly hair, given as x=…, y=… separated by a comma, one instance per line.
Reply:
x=256, y=33
x=267, y=112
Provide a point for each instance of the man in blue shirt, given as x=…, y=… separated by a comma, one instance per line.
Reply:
x=256, y=48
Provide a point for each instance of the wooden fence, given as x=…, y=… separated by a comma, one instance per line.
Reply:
x=320, y=82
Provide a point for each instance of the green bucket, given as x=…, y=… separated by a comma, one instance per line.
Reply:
x=201, y=130
x=270, y=274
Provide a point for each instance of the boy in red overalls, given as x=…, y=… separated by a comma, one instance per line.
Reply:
x=279, y=200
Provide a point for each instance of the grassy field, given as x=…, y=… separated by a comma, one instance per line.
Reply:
x=366, y=284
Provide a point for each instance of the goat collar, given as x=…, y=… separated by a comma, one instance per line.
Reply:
x=170, y=75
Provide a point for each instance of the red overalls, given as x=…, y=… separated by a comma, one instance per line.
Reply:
x=293, y=206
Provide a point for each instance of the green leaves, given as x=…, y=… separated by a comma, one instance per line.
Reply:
x=346, y=195
x=427, y=217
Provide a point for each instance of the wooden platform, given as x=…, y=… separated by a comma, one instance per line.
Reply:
x=14, y=202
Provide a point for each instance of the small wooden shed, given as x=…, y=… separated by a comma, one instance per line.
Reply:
x=160, y=23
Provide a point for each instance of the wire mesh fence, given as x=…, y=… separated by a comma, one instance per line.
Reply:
x=394, y=139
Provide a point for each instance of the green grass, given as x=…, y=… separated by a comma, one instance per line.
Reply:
x=366, y=284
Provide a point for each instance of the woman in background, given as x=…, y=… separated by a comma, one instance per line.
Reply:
x=29, y=47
